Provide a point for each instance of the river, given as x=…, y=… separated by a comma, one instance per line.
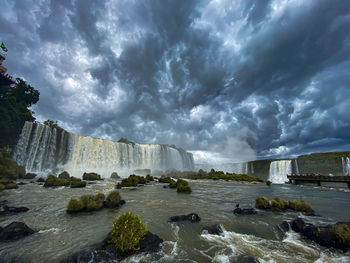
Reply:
x=61, y=234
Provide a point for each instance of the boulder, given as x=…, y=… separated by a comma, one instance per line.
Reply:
x=64, y=175
x=244, y=211
x=115, y=175
x=14, y=231
x=213, y=229
x=284, y=226
x=29, y=176
x=336, y=235
x=106, y=252
x=91, y=176
x=192, y=217
x=5, y=209
x=41, y=180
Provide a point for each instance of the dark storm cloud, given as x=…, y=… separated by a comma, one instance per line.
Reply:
x=265, y=76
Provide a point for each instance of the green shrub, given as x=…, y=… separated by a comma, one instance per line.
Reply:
x=91, y=176
x=2, y=187
x=21, y=172
x=149, y=178
x=52, y=180
x=64, y=175
x=4, y=181
x=342, y=231
x=127, y=231
x=278, y=204
x=133, y=180
x=75, y=206
x=182, y=186
x=113, y=199
x=262, y=203
x=301, y=206
x=77, y=182
x=268, y=182
x=10, y=186
x=93, y=202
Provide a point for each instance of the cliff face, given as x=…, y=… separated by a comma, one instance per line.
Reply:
x=42, y=148
x=324, y=163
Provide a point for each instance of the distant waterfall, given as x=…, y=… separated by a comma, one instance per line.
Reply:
x=279, y=170
x=41, y=148
x=296, y=166
x=252, y=168
x=346, y=165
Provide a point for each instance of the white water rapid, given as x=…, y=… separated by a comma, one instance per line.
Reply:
x=279, y=170
x=346, y=165
x=41, y=148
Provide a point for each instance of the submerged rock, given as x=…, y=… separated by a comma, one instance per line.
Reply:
x=5, y=209
x=336, y=235
x=41, y=180
x=213, y=229
x=193, y=217
x=106, y=252
x=244, y=211
x=14, y=231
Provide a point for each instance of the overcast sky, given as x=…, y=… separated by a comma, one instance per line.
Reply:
x=229, y=80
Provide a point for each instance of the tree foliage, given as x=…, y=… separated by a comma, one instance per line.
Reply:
x=14, y=110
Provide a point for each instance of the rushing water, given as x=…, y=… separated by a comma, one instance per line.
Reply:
x=279, y=170
x=61, y=234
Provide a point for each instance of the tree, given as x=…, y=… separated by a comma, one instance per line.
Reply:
x=14, y=110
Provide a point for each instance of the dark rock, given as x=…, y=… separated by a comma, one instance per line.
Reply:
x=284, y=226
x=64, y=175
x=118, y=186
x=193, y=217
x=122, y=202
x=41, y=180
x=166, y=186
x=91, y=183
x=336, y=235
x=105, y=252
x=29, y=176
x=4, y=209
x=115, y=175
x=15, y=230
x=21, y=183
x=244, y=211
x=213, y=230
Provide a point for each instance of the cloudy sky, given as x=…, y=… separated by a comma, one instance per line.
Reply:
x=229, y=80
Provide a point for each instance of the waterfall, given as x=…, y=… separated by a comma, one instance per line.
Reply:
x=296, y=166
x=42, y=149
x=252, y=168
x=279, y=170
x=346, y=165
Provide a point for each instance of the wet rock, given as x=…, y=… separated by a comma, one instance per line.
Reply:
x=193, y=217
x=166, y=186
x=106, y=252
x=29, y=176
x=213, y=230
x=122, y=202
x=41, y=180
x=64, y=175
x=336, y=235
x=118, y=186
x=244, y=211
x=15, y=230
x=5, y=209
x=21, y=183
x=115, y=175
x=284, y=226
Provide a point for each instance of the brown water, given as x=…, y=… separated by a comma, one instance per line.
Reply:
x=61, y=234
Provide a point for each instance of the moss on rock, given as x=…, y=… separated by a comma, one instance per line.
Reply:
x=113, y=199
x=278, y=204
x=52, y=180
x=182, y=186
x=342, y=231
x=91, y=176
x=64, y=175
x=127, y=231
x=77, y=183
x=75, y=206
x=262, y=203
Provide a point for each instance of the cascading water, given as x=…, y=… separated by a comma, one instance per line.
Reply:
x=296, y=166
x=346, y=165
x=279, y=170
x=41, y=148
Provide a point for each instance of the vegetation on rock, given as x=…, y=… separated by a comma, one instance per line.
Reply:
x=279, y=204
x=64, y=175
x=28, y=176
x=133, y=180
x=113, y=199
x=91, y=176
x=9, y=169
x=182, y=186
x=342, y=231
x=52, y=180
x=127, y=231
x=76, y=182
x=268, y=182
x=94, y=202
